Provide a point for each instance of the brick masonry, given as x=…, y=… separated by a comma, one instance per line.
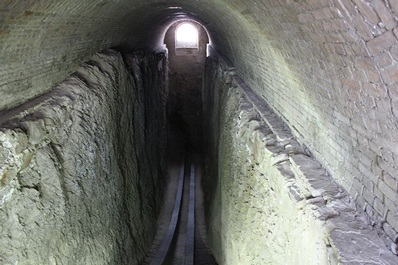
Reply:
x=264, y=188
x=328, y=67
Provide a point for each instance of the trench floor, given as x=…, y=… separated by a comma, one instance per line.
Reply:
x=202, y=254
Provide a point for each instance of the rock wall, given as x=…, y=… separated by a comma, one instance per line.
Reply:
x=269, y=201
x=81, y=167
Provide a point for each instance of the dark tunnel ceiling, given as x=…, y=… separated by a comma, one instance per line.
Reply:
x=61, y=35
x=248, y=33
x=153, y=24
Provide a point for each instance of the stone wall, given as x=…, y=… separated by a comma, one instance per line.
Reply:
x=268, y=201
x=329, y=68
x=82, y=167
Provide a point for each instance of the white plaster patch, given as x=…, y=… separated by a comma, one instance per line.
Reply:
x=7, y=196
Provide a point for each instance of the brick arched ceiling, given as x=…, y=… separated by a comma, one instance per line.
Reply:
x=43, y=41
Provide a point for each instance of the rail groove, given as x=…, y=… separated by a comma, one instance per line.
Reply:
x=165, y=244
x=190, y=236
x=182, y=222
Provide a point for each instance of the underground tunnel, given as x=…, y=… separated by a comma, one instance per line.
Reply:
x=285, y=111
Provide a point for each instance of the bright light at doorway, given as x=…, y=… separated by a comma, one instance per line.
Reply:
x=187, y=36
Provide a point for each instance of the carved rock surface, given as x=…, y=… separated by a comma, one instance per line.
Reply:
x=268, y=200
x=79, y=166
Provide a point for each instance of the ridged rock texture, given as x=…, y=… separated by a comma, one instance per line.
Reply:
x=268, y=200
x=82, y=166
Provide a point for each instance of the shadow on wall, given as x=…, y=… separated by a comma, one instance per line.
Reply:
x=186, y=42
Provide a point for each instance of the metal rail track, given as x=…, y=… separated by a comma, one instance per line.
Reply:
x=190, y=236
x=165, y=250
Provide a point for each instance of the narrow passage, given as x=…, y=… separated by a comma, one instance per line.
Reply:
x=181, y=234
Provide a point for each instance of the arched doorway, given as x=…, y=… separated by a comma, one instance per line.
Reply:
x=186, y=36
x=186, y=42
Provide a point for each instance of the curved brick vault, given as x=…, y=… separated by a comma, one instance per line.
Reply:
x=327, y=67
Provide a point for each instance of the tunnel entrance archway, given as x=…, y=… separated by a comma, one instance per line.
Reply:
x=186, y=68
x=187, y=36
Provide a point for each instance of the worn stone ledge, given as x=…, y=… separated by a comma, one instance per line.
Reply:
x=273, y=161
x=348, y=229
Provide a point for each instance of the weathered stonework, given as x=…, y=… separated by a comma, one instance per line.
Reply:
x=82, y=166
x=268, y=200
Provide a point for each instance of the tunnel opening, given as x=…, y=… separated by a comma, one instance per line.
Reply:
x=187, y=36
x=181, y=233
x=186, y=42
